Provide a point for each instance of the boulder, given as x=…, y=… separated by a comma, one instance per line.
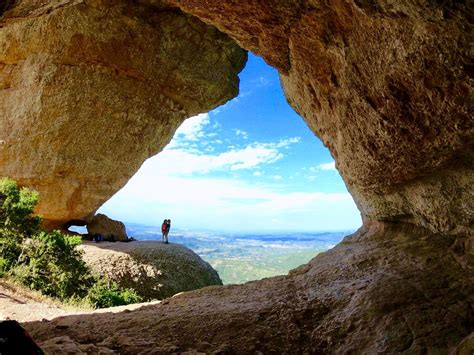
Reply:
x=155, y=270
x=105, y=226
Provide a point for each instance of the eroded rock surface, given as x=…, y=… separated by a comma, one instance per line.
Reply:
x=390, y=288
x=155, y=270
x=89, y=89
x=93, y=88
x=105, y=226
x=387, y=86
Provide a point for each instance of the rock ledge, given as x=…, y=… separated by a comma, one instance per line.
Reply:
x=153, y=269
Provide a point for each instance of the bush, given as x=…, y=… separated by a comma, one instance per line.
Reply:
x=48, y=261
x=16, y=221
x=105, y=293
x=51, y=263
x=16, y=209
x=10, y=249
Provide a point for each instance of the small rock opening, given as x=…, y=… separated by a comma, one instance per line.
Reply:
x=76, y=226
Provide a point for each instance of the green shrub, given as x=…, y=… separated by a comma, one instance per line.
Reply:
x=10, y=249
x=105, y=293
x=48, y=261
x=16, y=209
x=16, y=220
x=51, y=263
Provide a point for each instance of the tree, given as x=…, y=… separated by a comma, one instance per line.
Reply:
x=17, y=221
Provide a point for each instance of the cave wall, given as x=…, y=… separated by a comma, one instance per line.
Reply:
x=386, y=85
x=90, y=89
x=391, y=288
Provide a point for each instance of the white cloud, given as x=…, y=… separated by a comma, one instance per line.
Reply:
x=193, y=128
x=217, y=202
x=287, y=142
x=324, y=166
x=181, y=161
x=327, y=166
x=180, y=158
x=173, y=184
x=241, y=133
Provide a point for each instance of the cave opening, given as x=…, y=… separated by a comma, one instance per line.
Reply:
x=79, y=229
x=405, y=272
x=246, y=184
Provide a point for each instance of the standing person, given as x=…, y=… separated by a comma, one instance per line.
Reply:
x=168, y=227
x=164, y=230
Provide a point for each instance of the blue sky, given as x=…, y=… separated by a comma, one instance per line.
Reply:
x=251, y=165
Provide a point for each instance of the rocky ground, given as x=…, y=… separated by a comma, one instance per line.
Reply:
x=154, y=269
x=389, y=288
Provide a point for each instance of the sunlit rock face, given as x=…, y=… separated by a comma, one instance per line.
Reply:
x=387, y=86
x=391, y=288
x=87, y=94
x=90, y=89
x=106, y=227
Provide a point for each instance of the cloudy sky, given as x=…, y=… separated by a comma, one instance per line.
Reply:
x=250, y=165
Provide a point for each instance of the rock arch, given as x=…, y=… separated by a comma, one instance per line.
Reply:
x=388, y=88
x=91, y=89
x=386, y=85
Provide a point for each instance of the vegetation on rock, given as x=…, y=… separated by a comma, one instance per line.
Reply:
x=48, y=261
x=105, y=293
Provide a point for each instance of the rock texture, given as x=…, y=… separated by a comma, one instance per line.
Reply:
x=105, y=226
x=89, y=89
x=390, y=288
x=387, y=86
x=155, y=270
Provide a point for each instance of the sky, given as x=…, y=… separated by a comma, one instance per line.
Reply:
x=251, y=165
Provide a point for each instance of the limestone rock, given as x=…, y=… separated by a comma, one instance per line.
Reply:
x=65, y=345
x=155, y=270
x=105, y=226
x=90, y=89
x=390, y=288
x=386, y=85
